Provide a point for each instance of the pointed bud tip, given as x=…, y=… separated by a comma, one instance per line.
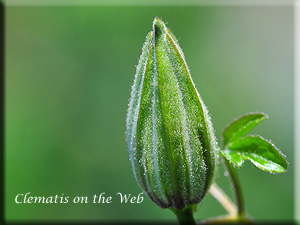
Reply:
x=159, y=27
x=157, y=20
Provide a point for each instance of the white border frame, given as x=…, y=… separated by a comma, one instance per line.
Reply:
x=297, y=108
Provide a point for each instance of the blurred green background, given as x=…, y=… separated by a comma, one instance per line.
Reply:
x=68, y=74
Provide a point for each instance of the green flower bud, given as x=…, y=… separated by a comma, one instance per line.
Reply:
x=171, y=141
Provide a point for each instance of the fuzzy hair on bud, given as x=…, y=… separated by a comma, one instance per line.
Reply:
x=171, y=142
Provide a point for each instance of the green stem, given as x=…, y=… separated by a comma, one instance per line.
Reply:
x=185, y=216
x=237, y=188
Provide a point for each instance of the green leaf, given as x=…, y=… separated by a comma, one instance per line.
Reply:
x=259, y=151
x=241, y=126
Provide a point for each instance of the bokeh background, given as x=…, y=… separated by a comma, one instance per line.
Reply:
x=68, y=74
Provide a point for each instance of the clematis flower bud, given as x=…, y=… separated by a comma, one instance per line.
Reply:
x=171, y=141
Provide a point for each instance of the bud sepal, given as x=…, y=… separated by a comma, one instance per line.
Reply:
x=171, y=141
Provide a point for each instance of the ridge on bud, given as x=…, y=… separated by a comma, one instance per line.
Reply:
x=171, y=142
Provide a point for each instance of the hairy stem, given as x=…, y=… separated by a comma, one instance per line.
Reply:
x=185, y=216
x=223, y=199
x=237, y=188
